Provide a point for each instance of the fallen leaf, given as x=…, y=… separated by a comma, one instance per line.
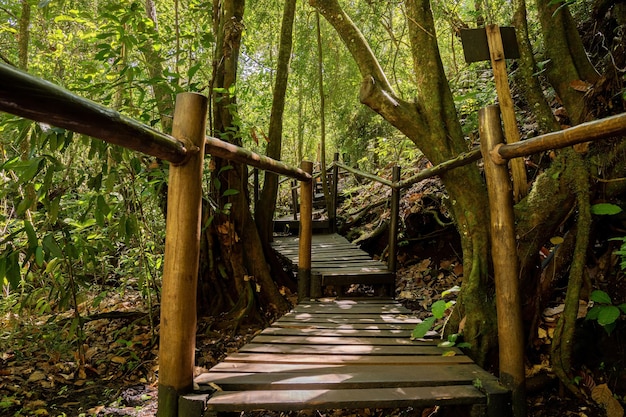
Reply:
x=580, y=85
x=602, y=395
x=118, y=359
x=36, y=376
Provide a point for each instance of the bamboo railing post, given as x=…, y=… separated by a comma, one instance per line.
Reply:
x=505, y=262
x=182, y=246
x=256, y=187
x=332, y=211
x=498, y=63
x=392, y=260
x=306, y=231
x=294, y=198
x=393, y=225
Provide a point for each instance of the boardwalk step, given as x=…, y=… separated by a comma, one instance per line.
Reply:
x=348, y=354
x=335, y=261
x=322, y=399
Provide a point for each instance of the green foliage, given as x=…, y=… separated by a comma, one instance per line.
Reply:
x=605, y=209
x=621, y=252
x=604, y=312
x=438, y=309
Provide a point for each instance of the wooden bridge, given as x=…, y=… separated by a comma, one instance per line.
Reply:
x=344, y=353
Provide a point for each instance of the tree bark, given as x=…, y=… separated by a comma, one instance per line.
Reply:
x=432, y=124
x=569, y=64
x=267, y=202
x=23, y=36
x=238, y=254
x=531, y=87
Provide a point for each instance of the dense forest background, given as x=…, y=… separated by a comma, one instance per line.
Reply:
x=82, y=222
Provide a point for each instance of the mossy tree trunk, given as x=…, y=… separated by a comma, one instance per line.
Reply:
x=432, y=124
x=234, y=274
x=569, y=70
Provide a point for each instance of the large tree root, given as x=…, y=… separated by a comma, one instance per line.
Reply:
x=564, y=335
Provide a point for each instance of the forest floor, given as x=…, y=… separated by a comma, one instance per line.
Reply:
x=40, y=373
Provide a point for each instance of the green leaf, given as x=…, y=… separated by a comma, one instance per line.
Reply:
x=439, y=309
x=31, y=169
x=422, y=328
x=224, y=168
x=464, y=345
x=39, y=256
x=600, y=296
x=593, y=313
x=13, y=271
x=51, y=246
x=24, y=205
x=446, y=344
x=230, y=192
x=605, y=209
x=30, y=232
x=610, y=327
x=622, y=307
x=608, y=315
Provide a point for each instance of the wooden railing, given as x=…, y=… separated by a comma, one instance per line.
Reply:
x=24, y=95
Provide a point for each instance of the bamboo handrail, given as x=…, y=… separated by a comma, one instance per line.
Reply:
x=371, y=177
x=236, y=153
x=27, y=96
x=594, y=130
x=30, y=97
x=460, y=160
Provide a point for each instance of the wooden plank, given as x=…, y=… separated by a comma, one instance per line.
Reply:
x=352, y=305
x=358, y=349
x=335, y=340
x=346, y=326
x=345, y=378
x=290, y=400
x=344, y=359
x=373, y=309
x=297, y=331
x=354, y=317
x=339, y=278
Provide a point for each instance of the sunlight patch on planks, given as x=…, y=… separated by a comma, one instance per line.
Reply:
x=348, y=354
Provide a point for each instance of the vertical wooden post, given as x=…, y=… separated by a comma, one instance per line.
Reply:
x=332, y=211
x=511, y=132
x=294, y=198
x=256, y=187
x=505, y=262
x=182, y=246
x=392, y=261
x=306, y=234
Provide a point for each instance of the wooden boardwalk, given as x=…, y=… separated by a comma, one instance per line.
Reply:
x=335, y=261
x=348, y=354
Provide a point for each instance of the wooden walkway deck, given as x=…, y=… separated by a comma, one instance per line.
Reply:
x=335, y=261
x=348, y=354
x=334, y=354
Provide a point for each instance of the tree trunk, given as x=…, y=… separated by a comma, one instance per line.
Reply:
x=531, y=87
x=432, y=124
x=162, y=91
x=320, y=84
x=237, y=254
x=569, y=70
x=267, y=202
x=23, y=36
